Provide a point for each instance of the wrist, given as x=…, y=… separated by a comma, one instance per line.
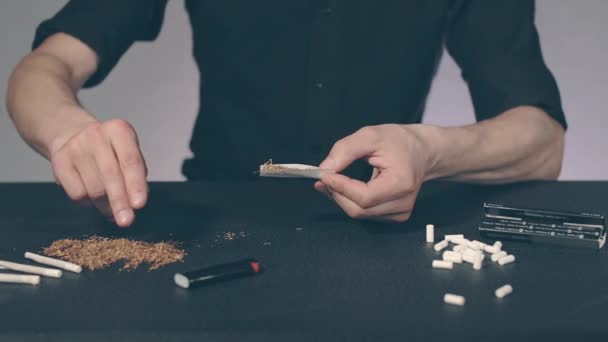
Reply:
x=430, y=145
x=445, y=148
x=71, y=119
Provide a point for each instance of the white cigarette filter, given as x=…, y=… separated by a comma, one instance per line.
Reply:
x=472, y=254
x=506, y=260
x=503, y=291
x=459, y=248
x=448, y=265
x=470, y=258
x=460, y=241
x=491, y=249
x=453, y=299
x=68, y=266
x=498, y=245
x=47, y=272
x=19, y=279
x=498, y=256
x=441, y=245
x=477, y=264
x=451, y=237
x=452, y=256
x=430, y=233
x=477, y=245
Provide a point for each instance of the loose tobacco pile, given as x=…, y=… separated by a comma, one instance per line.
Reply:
x=98, y=252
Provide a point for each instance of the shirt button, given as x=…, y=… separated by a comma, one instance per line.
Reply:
x=319, y=85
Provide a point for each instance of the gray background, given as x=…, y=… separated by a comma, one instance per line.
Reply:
x=155, y=87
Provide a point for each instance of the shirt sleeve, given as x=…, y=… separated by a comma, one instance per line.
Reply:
x=496, y=45
x=109, y=27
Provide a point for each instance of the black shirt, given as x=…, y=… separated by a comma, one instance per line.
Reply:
x=285, y=79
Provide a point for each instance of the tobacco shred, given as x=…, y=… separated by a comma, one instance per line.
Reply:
x=97, y=252
x=269, y=166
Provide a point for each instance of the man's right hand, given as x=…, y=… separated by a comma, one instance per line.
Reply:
x=102, y=163
x=93, y=161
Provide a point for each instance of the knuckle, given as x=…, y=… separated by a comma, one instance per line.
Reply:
x=408, y=185
x=90, y=135
x=356, y=213
x=132, y=160
x=339, y=145
x=92, y=128
x=76, y=146
x=97, y=194
x=371, y=133
x=76, y=194
x=118, y=125
x=110, y=171
x=366, y=201
x=408, y=207
x=401, y=218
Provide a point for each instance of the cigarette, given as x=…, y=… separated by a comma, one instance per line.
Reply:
x=68, y=266
x=291, y=171
x=19, y=279
x=47, y=272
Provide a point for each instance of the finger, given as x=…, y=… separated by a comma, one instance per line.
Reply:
x=355, y=146
x=103, y=205
x=113, y=182
x=69, y=179
x=320, y=187
x=85, y=166
x=385, y=209
x=132, y=164
x=383, y=188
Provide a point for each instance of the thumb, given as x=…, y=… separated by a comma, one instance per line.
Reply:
x=353, y=147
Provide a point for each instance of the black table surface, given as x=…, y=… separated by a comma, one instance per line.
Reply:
x=327, y=277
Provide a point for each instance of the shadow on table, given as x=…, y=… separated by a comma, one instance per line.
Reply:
x=444, y=203
x=165, y=217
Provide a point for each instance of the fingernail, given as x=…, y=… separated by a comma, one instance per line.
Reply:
x=124, y=216
x=138, y=199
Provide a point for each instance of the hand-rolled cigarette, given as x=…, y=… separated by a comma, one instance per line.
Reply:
x=19, y=278
x=47, y=272
x=68, y=266
x=291, y=171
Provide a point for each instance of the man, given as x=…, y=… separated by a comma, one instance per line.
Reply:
x=302, y=81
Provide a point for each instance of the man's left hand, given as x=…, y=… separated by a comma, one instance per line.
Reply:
x=401, y=158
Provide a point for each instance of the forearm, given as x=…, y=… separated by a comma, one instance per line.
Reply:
x=520, y=144
x=42, y=101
